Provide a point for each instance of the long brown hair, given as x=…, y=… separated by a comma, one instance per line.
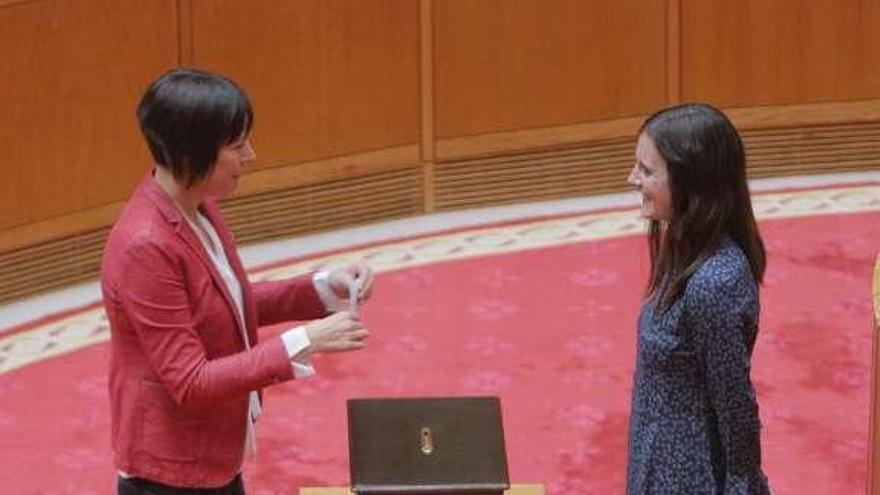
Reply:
x=706, y=166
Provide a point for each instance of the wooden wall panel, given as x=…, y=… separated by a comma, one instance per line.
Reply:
x=503, y=65
x=327, y=77
x=71, y=76
x=759, y=52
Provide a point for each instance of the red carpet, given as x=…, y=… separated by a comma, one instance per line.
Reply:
x=551, y=331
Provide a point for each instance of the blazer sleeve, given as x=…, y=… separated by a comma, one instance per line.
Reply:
x=725, y=312
x=154, y=300
x=284, y=300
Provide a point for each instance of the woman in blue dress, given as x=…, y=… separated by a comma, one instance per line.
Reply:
x=694, y=425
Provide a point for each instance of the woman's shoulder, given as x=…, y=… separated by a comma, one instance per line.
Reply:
x=138, y=223
x=140, y=231
x=727, y=270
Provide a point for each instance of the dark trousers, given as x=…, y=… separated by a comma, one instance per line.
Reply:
x=139, y=486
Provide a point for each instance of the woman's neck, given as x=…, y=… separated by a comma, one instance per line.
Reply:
x=187, y=199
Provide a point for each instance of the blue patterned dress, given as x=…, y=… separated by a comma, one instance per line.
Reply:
x=694, y=426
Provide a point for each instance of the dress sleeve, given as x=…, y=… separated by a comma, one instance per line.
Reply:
x=725, y=310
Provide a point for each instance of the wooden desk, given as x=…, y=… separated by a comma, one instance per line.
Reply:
x=514, y=490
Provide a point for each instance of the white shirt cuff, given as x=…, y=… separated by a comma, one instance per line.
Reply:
x=332, y=303
x=295, y=341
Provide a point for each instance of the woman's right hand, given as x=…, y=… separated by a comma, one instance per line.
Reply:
x=338, y=332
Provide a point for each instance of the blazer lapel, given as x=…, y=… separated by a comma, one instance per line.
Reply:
x=171, y=213
x=212, y=213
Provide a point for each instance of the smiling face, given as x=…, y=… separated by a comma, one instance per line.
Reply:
x=231, y=159
x=650, y=177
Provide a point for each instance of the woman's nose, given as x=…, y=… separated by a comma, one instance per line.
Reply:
x=632, y=178
x=249, y=154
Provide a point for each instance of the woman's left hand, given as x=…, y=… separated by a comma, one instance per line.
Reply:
x=359, y=273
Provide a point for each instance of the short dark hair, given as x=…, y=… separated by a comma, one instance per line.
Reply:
x=706, y=164
x=187, y=115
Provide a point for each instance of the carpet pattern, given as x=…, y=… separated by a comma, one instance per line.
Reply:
x=540, y=312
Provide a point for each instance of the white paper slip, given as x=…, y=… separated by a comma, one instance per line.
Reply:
x=353, y=288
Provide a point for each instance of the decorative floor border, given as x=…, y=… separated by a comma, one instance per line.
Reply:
x=89, y=326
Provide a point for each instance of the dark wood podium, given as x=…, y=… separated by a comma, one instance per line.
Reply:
x=427, y=446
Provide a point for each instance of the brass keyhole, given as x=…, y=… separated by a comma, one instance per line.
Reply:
x=426, y=437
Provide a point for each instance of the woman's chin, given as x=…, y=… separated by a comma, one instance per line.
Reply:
x=221, y=195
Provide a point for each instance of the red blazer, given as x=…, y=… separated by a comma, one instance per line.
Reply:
x=179, y=373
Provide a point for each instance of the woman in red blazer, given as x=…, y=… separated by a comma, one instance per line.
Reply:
x=186, y=364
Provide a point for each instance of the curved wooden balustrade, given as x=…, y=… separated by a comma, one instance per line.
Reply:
x=480, y=171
